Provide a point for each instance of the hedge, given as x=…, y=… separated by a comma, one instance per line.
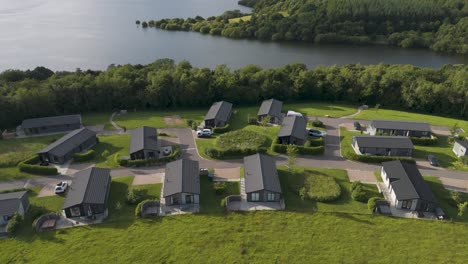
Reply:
x=14, y=223
x=28, y=167
x=86, y=156
x=378, y=159
x=220, y=130
x=150, y=162
x=314, y=142
x=233, y=152
x=425, y=141
x=279, y=148
x=371, y=203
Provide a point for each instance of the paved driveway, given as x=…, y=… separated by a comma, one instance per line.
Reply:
x=148, y=179
x=228, y=174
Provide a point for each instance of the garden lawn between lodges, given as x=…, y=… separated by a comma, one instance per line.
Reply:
x=409, y=116
x=280, y=236
x=292, y=181
x=13, y=151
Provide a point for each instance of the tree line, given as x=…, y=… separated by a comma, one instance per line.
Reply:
x=165, y=84
x=441, y=25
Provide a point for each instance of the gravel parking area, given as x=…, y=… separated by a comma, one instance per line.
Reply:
x=148, y=179
x=48, y=190
x=362, y=176
x=231, y=174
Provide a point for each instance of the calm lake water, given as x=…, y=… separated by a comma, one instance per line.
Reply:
x=70, y=34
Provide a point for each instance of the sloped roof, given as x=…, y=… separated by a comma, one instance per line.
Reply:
x=10, y=202
x=293, y=126
x=404, y=125
x=384, y=142
x=182, y=176
x=88, y=186
x=464, y=143
x=143, y=138
x=260, y=174
x=271, y=107
x=407, y=182
x=68, y=142
x=51, y=121
x=219, y=111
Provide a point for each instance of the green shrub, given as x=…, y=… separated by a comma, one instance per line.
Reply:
x=14, y=223
x=14, y=190
x=456, y=197
x=378, y=159
x=134, y=196
x=358, y=194
x=317, y=123
x=220, y=130
x=219, y=187
x=82, y=157
x=425, y=141
x=464, y=160
x=189, y=122
x=279, y=148
x=252, y=121
x=316, y=142
x=28, y=167
x=371, y=203
x=355, y=185
x=105, y=153
x=216, y=153
x=194, y=126
x=223, y=202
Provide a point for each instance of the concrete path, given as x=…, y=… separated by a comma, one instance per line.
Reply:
x=111, y=120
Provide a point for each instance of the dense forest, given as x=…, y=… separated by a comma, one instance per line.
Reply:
x=441, y=25
x=165, y=84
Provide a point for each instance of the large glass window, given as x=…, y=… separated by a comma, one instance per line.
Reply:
x=255, y=196
x=75, y=211
x=407, y=204
x=271, y=197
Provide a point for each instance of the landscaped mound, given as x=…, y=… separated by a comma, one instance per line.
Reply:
x=318, y=187
x=241, y=139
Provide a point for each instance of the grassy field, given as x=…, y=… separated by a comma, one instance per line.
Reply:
x=318, y=109
x=133, y=120
x=443, y=152
x=92, y=119
x=240, y=139
x=237, y=19
x=344, y=204
x=115, y=145
x=442, y=196
x=256, y=237
x=401, y=115
x=13, y=151
x=345, y=141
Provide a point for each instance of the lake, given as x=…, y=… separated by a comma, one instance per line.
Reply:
x=92, y=34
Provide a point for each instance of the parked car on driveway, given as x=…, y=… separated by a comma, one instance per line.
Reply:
x=204, y=133
x=61, y=187
x=316, y=133
x=357, y=125
x=433, y=160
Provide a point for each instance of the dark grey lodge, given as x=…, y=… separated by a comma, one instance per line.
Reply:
x=88, y=193
x=182, y=182
x=383, y=146
x=293, y=131
x=399, y=128
x=270, y=108
x=144, y=143
x=11, y=203
x=53, y=124
x=261, y=179
x=62, y=150
x=218, y=115
x=406, y=186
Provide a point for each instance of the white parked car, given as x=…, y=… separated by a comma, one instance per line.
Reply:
x=167, y=151
x=316, y=133
x=61, y=187
x=204, y=133
x=293, y=113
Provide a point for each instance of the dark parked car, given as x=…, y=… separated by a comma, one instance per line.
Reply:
x=357, y=125
x=433, y=160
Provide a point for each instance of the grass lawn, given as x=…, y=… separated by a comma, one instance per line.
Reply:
x=269, y=132
x=210, y=202
x=136, y=119
x=13, y=151
x=115, y=145
x=402, y=115
x=319, y=109
x=346, y=138
x=255, y=237
x=237, y=19
x=93, y=119
x=442, y=196
x=344, y=204
x=443, y=152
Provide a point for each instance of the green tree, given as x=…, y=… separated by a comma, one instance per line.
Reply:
x=291, y=151
x=462, y=208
